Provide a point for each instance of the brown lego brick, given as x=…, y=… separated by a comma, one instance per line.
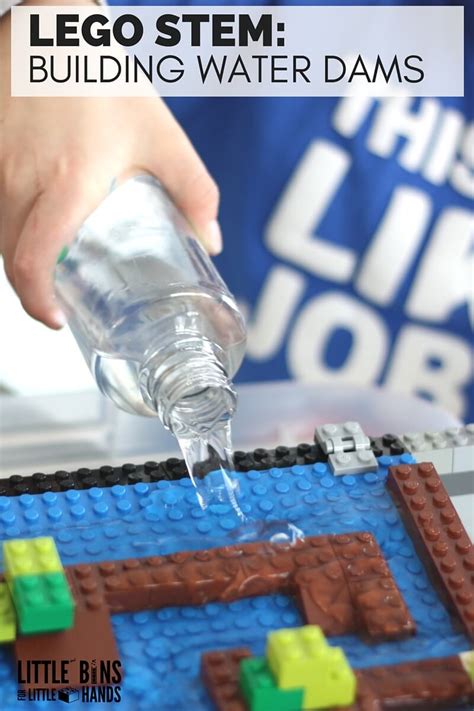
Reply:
x=322, y=571
x=426, y=685
x=91, y=639
x=439, y=535
x=323, y=597
x=380, y=609
x=353, y=591
x=366, y=700
x=361, y=559
x=220, y=675
x=341, y=583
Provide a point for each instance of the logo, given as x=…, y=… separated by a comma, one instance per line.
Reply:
x=68, y=695
x=50, y=679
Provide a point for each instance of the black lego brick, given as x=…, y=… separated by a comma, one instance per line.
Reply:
x=174, y=468
x=387, y=444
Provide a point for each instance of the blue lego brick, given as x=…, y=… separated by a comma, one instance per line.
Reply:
x=161, y=649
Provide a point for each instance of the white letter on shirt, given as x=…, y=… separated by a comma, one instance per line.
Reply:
x=445, y=277
x=306, y=199
x=411, y=369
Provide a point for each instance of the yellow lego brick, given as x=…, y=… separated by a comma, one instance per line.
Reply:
x=467, y=660
x=33, y=556
x=7, y=615
x=292, y=654
x=301, y=658
x=335, y=684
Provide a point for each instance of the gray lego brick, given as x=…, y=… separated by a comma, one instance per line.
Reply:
x=451, y=450
x=460, y=484
x=346, y=429
x=463, y=459
x=358, y=462
x=441, y=458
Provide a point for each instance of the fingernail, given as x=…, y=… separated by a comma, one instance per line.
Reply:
x=58, y=319
x=213, y=238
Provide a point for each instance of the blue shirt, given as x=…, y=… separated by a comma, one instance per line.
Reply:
x=347, y=228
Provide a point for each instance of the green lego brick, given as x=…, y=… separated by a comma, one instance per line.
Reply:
x=7, y=615
x=301, y=658
x=33, y=556
x=43, y=603
x=260, y=691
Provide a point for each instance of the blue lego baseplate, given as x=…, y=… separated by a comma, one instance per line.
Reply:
x=161, y=649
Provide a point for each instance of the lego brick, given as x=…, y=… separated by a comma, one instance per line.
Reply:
x=264, y=459
x=174, y=469
x=360, y=556
x=467, y=660
x=333, y=596
x=424, y=685
x=260, y=690
x=90, y=642
x=261, y=459
x=335, y=682
x=431, y=447
x=320, y=570
x=43, y=602
x=293, y=654
x=348, y=448
x=7, y=615
x=188, y=577
x=389, y=445
x=220, y=672
x=68, y=695
x=301, y=657
x=463, y=459
x=191, y=578
x=439, y=534
x=354, y=443
x=170, y=470
x=451, y=451
x=463, y=454
x=85, y=478
x=345, y=430
x=442, y=459
x=381, y=609
x=31, y=557
x=324, y=599
x=159, y=518
x=358, y=462
x=283, y=494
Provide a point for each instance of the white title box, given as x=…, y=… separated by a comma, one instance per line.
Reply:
x=237, y=51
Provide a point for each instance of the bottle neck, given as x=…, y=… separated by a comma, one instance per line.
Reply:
x=191, y=393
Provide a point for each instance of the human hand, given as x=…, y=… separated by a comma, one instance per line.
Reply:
x=58, y=158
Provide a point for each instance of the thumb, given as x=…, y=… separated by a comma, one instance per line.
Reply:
x=175, y=163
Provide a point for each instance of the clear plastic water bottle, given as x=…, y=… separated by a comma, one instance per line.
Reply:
x=156, y=324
